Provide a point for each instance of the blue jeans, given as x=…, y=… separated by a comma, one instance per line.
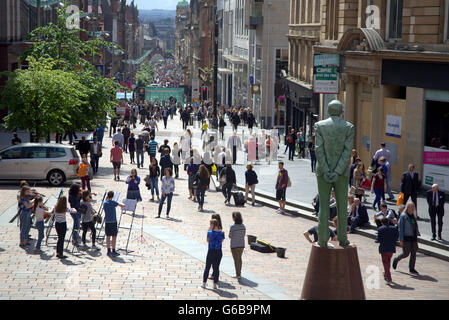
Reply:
x=213, y=259
x=76, y=226
x=154, y=186
x=354, y=224
x=313, y=161
x=379, y=193
x=25, y=225
x=40, y=230
x=169, y=196
x=200, y=196
x=390, y=194
x=139, y=158
x=100, y=137
x=95, y=161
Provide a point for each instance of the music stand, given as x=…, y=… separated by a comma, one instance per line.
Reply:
x=51, y=220
x=130, y=206
x=141, y=239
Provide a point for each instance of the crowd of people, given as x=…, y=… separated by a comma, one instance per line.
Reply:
x=214, y=160
x=391, y=226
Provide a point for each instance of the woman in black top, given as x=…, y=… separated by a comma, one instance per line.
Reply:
x=75, y=194
x=221, y=126
x=250, y=182
x=155, y=172
x=230, y=181
x=202, y=180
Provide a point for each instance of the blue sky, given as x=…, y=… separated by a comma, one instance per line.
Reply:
x=155, y=4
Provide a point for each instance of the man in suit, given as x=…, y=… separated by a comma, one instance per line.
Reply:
x=234, y=144
x=358, y=216
x=410, y=185
x=334, y=139
x=436, y=200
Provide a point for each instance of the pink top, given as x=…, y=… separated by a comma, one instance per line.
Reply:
x=116, y=153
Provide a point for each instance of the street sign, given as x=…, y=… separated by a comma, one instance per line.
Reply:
x=325, y=73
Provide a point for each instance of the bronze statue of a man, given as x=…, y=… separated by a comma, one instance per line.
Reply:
x=334, y=140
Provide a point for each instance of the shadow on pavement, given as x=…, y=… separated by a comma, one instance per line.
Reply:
x=420, y=277
x=425, y=278
x=247, y=282
x=1, y=249
x=398, y=286
x=223, y=293
x=68, y=262
x=120, y=260
x=208, y=211
x=225, y=285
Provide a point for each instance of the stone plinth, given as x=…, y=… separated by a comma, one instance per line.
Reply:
x=333, y=274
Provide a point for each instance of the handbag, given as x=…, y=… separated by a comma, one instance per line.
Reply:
x=214, y=169
x=147, y=180
x=196, y=182
x=365, y=184
x=222, y=179
x=289, y=183
x=400, y=199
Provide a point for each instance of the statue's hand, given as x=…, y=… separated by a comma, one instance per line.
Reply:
x=330, y=177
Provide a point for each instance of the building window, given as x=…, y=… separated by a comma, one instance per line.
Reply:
x=394, y=19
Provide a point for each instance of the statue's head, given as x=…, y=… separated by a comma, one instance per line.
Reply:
x=335, y=108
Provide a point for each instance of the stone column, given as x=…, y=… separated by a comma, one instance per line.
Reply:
x=350, y=101
x=377, y=114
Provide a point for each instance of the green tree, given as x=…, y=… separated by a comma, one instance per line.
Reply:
x=57, y=52
x=41, y=98
x=145, y=74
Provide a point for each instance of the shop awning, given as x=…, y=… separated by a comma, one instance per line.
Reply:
x=224, y=70
x=234, y=59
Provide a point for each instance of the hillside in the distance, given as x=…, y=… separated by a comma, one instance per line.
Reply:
x=156, y=14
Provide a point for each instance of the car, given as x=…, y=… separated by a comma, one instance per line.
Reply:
x=56, y=163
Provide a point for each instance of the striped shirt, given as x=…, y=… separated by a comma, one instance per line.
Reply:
x=60, y=216
x=153, y=146
x=237, y=235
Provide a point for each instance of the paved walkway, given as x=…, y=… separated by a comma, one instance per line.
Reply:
x=169, y=263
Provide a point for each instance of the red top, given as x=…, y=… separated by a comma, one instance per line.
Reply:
x=116, y=153
x=379, y=182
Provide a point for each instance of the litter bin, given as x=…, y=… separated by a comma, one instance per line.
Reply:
x=280, y=252
x=251, y=239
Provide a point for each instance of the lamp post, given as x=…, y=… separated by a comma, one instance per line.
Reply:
x=215, y=60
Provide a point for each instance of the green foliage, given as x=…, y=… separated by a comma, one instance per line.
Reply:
x=61, y=90
x=145, y=74
x=40, y=99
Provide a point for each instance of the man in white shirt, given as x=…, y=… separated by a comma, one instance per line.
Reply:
x=234, y=144
x=382, y=152
x=118, y=137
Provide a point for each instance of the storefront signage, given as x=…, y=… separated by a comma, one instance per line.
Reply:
x=393, y=126
x=326, y=60
x=436, y=167
x=325, y=73
x=438, y=157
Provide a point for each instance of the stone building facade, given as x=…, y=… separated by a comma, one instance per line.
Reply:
x=393, y=79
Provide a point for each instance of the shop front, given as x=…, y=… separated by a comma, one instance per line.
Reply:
x=301, y=106
x=425, y=118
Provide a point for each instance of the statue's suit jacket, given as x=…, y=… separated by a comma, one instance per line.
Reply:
x=334, y=140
